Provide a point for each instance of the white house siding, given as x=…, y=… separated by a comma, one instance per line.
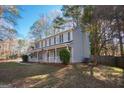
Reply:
x=79, y=44
x=47, y=40
x=57, y=39
x=51, y=56
x=71, y=35
x=65, y=37
x=77, y=47
x=52, y=40
x=44, y=56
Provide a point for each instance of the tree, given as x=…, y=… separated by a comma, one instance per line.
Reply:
x=58, y=21
x=44, y=26
x=73, y=12
x=9, y=13
x=105, y=24
x=36, y=30
x=118, y=25
x=8, y=19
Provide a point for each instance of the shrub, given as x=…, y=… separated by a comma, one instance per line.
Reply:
x=64, y=55
x=25, y=58
x=14, y=56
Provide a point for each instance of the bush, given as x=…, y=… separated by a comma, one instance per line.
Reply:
x=25, y=58
x=14, y=56
x=64, y=55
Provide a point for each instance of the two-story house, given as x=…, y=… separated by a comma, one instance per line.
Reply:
x=47, y=49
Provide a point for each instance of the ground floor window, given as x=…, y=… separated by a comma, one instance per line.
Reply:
x=48, y=56
x=33, y=55
x=40, y=55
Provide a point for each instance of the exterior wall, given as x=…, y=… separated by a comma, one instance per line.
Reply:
x=52, y=41
x=78, y=42
x=65, y=37
x=81, y=46
x=77, y=49
x=71, y=35
x=47, y=40
x=57, y=39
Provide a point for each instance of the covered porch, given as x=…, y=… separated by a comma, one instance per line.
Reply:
x=49, y=54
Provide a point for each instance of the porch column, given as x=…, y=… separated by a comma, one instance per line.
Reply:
x=37, y=56
x=47, y=57
x=55, y=55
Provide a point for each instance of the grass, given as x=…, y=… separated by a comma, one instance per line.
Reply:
x=49, y=75
x=10, y=65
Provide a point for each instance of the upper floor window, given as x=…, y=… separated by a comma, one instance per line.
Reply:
x=49, y=41
x=68, y=36
x=45, y=42
x=61, y=38
x=54, y=40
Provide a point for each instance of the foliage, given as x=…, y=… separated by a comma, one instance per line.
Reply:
x=14, y=56
x=44, y=26
x=25, y=58
x=105, y=24
x=58, y=21
x=64, y=56
x=8, y=16
x=73, y=13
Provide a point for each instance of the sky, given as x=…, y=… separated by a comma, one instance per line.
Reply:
x=31, y=13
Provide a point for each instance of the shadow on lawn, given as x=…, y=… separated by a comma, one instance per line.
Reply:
x=71, y=76
x=10, y=74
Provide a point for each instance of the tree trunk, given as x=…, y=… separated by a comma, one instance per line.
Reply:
x=120, y=37
x=121, y=44
x=95, y=47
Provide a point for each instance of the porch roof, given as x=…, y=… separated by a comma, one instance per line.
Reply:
x=65, y=44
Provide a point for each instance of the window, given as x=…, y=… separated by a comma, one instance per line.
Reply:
x=54, y=40
x=48, y=56
x=68, y=36
x=49, y=42
x=45, y=42
x=40, y=55
x=54, y=55
x=61, y=38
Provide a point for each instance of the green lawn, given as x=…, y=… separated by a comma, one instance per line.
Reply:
x=51, y=75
